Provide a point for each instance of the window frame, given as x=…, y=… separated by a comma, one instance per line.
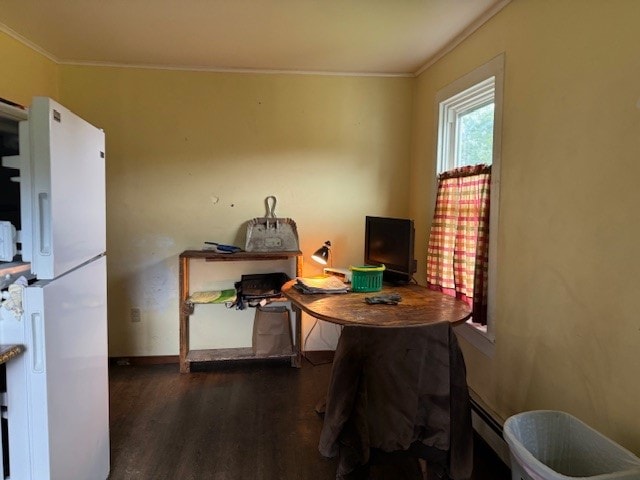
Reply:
x=453, y=100
x=454, y=107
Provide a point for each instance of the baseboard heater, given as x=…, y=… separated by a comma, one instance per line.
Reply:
x=489, y=429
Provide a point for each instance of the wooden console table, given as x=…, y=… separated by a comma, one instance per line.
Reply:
x=188, y=356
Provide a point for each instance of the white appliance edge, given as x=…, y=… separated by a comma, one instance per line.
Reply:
x=62, y=189
x=57, y=390
x=59, y=385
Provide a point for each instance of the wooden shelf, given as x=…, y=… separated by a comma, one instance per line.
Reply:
x=188, y=356
x=222, y=354
x=239, y=256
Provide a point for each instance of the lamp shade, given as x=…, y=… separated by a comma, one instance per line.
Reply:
x=322, y=254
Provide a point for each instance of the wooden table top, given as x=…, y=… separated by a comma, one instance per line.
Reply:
x=419, y=306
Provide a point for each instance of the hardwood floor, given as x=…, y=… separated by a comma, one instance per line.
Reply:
x=230, y=422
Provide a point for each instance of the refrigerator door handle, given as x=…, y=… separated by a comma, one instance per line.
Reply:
x=44, y=223
x=37, y=334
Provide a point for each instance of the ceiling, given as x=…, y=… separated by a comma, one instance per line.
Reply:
x=377, y=37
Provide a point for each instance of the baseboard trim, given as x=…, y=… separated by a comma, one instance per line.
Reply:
x=148, y=360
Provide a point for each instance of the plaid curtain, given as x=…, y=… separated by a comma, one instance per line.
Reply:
x=458, y=252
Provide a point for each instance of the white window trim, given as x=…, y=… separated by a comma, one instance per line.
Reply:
x=484, y=341
x=450, y=109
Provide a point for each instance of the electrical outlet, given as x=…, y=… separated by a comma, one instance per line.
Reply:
x=135, y=315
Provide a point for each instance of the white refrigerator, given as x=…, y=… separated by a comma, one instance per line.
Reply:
x=57, y=399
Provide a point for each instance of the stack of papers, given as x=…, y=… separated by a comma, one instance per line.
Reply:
x=321, y=284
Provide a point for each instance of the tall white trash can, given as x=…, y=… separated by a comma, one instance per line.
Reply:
x=552, y=445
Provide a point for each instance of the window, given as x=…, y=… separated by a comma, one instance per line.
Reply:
x=466, y=127
x=469, y=133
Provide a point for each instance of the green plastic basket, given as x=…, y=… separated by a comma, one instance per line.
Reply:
x=366, y=278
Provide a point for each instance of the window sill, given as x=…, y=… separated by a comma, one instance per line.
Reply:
x=478, y=336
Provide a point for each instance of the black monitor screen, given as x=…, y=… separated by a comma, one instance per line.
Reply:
x=390, y=241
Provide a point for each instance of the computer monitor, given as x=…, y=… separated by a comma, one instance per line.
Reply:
x=390, y=242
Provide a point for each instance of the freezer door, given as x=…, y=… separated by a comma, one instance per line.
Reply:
x=67, y=376
x=66, y=183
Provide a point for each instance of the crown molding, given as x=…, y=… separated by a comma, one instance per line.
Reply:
x=466, y=33
x=254, y=71
x=25, y=41
x=16, y=36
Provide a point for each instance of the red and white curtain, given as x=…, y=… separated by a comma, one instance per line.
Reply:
x=458, y=251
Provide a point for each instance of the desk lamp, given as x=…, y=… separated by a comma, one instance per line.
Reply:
x=323, y=257
x=323, y=254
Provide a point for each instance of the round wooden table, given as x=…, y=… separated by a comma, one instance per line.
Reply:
x=388, y=359
x=420, y=306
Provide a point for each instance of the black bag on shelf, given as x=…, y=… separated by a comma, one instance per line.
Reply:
x=255, y=287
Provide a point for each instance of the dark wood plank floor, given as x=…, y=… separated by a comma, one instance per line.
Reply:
x=253, y=421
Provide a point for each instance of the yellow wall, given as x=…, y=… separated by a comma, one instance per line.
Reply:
x=25, y=73
x=568, y=334
x=191, y=156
